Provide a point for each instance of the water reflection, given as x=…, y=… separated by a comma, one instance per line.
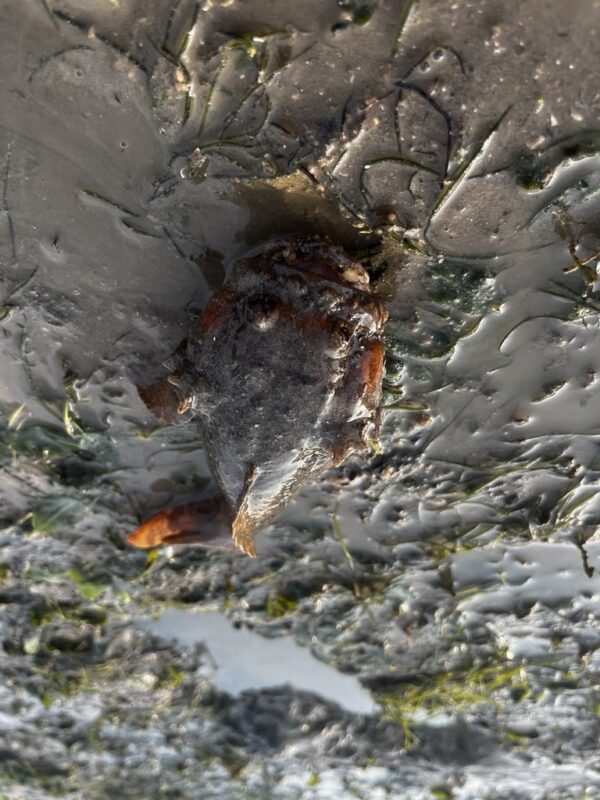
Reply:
x=244, y=660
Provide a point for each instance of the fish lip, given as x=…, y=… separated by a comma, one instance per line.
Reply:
x=242, y=525
x=242, y=531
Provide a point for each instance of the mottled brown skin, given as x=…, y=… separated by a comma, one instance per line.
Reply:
x=284, y=374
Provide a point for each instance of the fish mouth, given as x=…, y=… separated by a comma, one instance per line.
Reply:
x=242, y=531
x=243, y=525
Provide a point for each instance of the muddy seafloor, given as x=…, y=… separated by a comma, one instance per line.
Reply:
x=424, y=621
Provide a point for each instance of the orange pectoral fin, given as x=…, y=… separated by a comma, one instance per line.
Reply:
x=205, y=523
x=372, y=369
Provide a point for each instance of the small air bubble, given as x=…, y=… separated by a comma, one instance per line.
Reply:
x=438, y=54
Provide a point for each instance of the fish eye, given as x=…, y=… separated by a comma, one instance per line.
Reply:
x=295, y=284
x=344, y=330
x=262, y=310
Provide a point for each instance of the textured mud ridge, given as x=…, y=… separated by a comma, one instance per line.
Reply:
x=454, y=572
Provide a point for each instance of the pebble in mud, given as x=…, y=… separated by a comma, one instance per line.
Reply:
x=284, y=373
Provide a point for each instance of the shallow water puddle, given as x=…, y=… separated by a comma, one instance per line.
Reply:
x=265, y=663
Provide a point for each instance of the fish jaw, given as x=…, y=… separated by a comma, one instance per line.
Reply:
x=242, y=531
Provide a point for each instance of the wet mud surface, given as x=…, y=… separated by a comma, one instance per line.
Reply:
x=453, y=573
